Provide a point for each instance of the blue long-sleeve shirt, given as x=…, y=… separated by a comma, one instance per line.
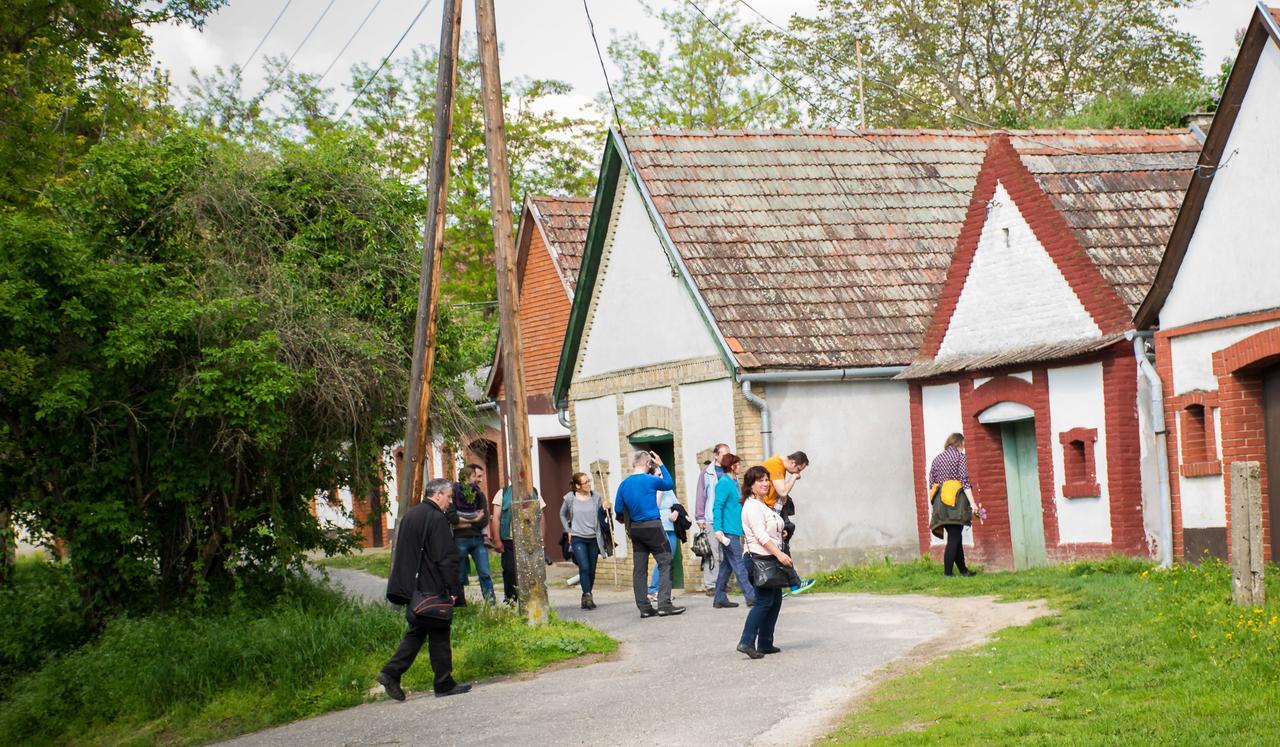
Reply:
x=728, y=510
x=638, y=496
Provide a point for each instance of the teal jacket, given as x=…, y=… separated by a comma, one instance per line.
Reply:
x=728, y=507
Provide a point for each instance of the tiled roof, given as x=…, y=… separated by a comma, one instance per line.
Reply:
x=564, y=222
x=924, y=369
x=825, y=248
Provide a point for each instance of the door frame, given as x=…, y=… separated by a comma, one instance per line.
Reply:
x=1022, y=491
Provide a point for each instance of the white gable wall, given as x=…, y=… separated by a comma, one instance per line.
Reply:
x=1014, y=295
x=1076, y=401
x=596, y=422
x=1233, y=260
x=641, y=313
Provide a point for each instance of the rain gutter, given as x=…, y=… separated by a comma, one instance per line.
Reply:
x=1158, y=425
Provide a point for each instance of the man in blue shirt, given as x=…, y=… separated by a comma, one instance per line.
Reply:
x=637, y=503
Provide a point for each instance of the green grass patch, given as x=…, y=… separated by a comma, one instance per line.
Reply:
x=378, y=563
x=186, y=679
x=1133, y=655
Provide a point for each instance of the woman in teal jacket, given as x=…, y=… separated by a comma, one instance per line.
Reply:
x=727, y=524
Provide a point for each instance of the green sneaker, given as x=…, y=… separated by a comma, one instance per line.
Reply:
x=805, y=585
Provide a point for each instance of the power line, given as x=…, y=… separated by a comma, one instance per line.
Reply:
x=301, y=44
x=383, y=64
x=263, y=40
x=608, y=86
x=352, y=38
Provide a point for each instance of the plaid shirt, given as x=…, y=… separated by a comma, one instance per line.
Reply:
x=951, y=464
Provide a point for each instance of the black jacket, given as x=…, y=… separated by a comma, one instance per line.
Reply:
x=425, y=558
x=681, y=523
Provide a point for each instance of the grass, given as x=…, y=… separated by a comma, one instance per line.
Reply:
x=1133, y=655
x=378, y=563
x=185, y=679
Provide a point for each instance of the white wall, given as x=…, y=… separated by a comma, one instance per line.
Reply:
x=635, y=400
x=1149, y=466
x=940, y=405
x=597, y=426
x=706, y=419
x=858, y=490
x=1076, y=401
x=643, y=314
x=1015, y=295
x=540, y=427
x=1192, y=355
x=1233, y=260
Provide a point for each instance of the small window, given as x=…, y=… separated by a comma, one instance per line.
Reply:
x=1199, y=448
x=1078, y=463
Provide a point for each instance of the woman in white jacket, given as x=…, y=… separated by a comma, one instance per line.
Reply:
x=762, y=537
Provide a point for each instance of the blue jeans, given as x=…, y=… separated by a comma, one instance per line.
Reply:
x=473, y=547
x=653, y=580
x=585, y=552
x=733, y=562
x=761, y=620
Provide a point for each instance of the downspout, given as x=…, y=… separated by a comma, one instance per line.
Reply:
x=825, y=374
x=562, y=414
x=1162, y=452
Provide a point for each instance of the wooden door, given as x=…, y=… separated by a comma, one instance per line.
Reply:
x=1271, y=409
x=555, y=468
x=1022, y=481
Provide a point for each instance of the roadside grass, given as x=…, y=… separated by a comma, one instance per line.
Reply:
x=378, y=563
x=1133, y=655
x=186, y=678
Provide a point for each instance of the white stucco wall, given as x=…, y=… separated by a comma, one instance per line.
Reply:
x=1076, y=401
x=858, y=490
x=1014, y=295
x=597, y=427
x=1233, y=259
x=540, y=427
x=1149, y=469
x=635, y=400
x=1203, y=502
x=940, y=405
x=1192, y=355
x=643, y=314
x=706, y=419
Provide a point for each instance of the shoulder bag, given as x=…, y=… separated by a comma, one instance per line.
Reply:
x=431, y=606
x=768, y=573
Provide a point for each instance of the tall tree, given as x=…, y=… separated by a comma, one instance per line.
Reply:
x=698, y=77
x=1007, y=62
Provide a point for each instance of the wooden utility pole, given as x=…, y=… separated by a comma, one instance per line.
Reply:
x=416, y=448
x=528, y=516
x=862, y=92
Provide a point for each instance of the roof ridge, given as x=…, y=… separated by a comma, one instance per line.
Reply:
x=904, y=132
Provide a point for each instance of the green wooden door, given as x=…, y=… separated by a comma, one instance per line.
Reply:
x=1022, y=479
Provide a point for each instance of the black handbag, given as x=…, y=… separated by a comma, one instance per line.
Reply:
x=431, y=606
x=768, y=573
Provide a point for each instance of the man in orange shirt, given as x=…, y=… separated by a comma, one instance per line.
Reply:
x=784, y=471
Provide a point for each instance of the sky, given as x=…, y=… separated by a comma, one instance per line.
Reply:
x=540, y=38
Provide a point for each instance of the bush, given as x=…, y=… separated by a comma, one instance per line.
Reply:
x=40, y=618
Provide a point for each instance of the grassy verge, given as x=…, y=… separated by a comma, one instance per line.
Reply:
x=183, y=678
x=1134, y=656
x=378, y=563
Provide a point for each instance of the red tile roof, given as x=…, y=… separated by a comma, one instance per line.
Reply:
x=823, y=249
x=564, y=222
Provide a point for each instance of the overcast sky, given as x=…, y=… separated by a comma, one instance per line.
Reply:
x=541, y=38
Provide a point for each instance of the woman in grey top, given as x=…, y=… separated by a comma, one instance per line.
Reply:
x=580, y=516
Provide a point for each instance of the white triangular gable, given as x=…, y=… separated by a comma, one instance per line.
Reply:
x=1232, y=263
x=1014, y=295
x=642, y=313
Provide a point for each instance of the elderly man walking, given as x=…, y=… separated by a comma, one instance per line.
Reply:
x=424, y=573
x=637, y=503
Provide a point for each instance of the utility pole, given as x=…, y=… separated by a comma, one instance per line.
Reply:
x=416, y=448
x=528, y=525
x=862, y=94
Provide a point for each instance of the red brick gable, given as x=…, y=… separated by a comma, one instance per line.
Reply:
x=1002, y=165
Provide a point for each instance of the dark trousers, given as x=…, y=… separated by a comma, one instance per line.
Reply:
x=762, y=619
x=647, y=538
x=733, y=562
x=509, y=581
x=954, y=554
x=585, y=552
x=436, y=633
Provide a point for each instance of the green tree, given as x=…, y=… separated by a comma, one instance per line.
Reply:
x=1153, y=109
x=943, y=63
x=702, y=80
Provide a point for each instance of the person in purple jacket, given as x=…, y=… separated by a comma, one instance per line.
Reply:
x=637, y=504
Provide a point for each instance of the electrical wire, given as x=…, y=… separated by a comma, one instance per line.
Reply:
x=298, y=48
x=599, y=56
x=352, y=38
x=383, y=64
x=263, y=40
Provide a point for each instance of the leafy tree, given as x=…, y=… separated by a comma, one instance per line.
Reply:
x=703, y=80
x=946, y=62
x=1153, y=109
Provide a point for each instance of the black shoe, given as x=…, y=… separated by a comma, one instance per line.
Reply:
x=670, y=610
x=722, y=605
x=967, y=572
x=391, y=686
x=771, y=650
x=586, y=603
x=650, y=612
x=749, y=651
x=455, y=690
x=591, y=603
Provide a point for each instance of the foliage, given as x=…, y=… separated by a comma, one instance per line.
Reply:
x=39, y=617
x=378, y=563
x=945, y=63
x=1154, y=109
x=1134, y=655
x=207, y=336
x=703, y=80
x=182, y=678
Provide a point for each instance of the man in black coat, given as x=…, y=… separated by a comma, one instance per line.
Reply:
x=425, y=560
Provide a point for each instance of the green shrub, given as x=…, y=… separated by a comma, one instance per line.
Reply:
x=40, y=618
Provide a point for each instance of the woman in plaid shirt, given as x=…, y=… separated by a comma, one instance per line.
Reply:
x=952, y=511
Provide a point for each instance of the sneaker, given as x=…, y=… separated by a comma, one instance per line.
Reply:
x=591, y=603
x=586, y=605
x=670, y=610
x=749, y=651
x=391, y=686
x=649, y=612
x=805, y=585
x=723, y=605
x=771, y=650
x=653, y=599
x=455, y=690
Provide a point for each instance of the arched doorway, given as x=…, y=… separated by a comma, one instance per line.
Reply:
x=1016, y=423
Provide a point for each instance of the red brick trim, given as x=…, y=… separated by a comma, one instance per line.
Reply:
x=1002, y=164
x=1226, y=322
x=1080, y=471
x=1199, y=437
x=919, y=457
x=1123, y=447
x=1004, y=389
x=1255, y=351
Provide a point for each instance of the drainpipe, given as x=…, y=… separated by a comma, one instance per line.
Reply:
x=562, y=414
x=1139, y=339
x=823, y=374
x=486, y=406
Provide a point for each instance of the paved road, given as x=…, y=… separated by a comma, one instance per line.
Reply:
x=674, y=681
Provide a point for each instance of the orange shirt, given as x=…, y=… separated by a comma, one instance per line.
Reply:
x=777, y=470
